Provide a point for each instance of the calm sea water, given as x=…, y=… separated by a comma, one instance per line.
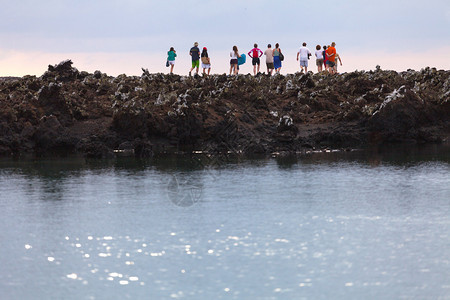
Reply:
x=360, y=225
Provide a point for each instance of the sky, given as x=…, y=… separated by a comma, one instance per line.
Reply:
x=122, y=36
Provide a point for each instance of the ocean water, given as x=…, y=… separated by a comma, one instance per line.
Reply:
x=365, y=224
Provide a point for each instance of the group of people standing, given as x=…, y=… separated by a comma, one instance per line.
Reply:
x=328, y=57
x=196, y=56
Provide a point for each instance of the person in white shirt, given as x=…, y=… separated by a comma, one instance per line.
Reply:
x=234, y=60
x=319, y=58
x=304, y=56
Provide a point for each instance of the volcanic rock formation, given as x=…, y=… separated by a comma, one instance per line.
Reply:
x=71, y=111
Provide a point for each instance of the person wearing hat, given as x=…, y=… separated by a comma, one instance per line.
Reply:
x=195, y=53
x=206, y=62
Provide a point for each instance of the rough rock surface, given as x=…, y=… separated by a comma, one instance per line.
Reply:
x=99, y=115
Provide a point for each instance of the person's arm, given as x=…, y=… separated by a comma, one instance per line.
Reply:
x=260, y=52
x=249, y=53
x=190, y=53
x=298, y=54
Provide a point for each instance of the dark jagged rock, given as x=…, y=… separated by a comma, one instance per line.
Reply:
x=61, y=72
x=99, y=115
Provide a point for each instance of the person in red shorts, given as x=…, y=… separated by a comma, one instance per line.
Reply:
x=331, y=54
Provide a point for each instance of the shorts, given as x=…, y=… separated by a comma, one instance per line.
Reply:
x=234, y=61
x=270, y=65
x=330, y=63
x=319, y=62
x=206, y=66
x=172, y=62
x=195, y=63
x=256, y=61
x=303, y=62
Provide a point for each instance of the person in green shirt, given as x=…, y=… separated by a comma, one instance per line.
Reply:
x=171, y=58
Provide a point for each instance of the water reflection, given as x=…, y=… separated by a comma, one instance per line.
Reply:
x=313, y=225
x=183, y=178
x=396, y=155
x=58, y=168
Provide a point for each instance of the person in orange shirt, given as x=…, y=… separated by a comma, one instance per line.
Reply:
x=331, y=55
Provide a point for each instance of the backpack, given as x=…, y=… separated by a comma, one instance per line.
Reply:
x=281, y=55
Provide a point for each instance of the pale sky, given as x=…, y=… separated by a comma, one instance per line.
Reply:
x=118, y=36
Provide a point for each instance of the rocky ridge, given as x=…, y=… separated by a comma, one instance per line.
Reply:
x=66, y=110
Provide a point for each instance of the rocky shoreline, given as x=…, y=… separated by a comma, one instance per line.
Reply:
x=68, y=111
